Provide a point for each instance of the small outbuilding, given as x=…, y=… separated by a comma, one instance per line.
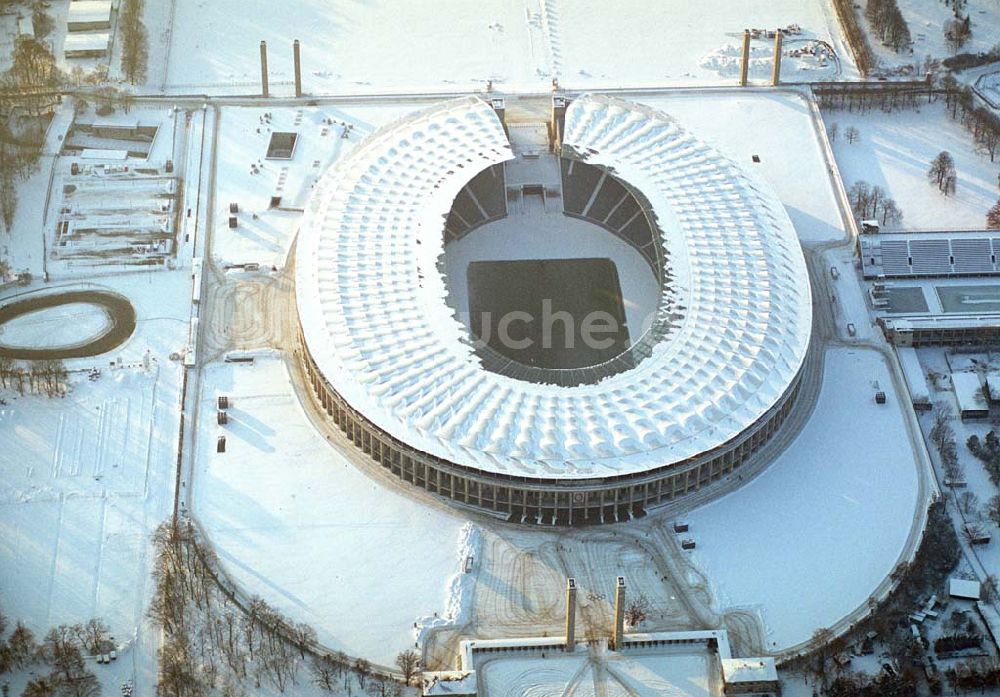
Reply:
x=964, y=589
x=89, y=15
x=971, y=397
x=86, y=45
x=748, y=676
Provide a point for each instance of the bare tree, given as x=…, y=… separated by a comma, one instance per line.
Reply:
x=988, y=588
x=637, y=610
x=851, y=134
x=362, y=669
x=21, y=647
x=325, y=670
x=832, y=132
x=968, y=502
x=942, y=172
x=993, y=217
x=993, y=509
x=408, y=662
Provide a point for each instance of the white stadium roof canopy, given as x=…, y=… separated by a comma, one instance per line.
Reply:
x=372, y=303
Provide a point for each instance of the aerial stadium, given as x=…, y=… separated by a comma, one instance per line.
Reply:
x=416, y=243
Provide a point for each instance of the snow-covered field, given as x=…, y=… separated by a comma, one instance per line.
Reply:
x=926, y=20
x=810, y=539
x=63, y=325
x=297, y=523
x=393, y=45
x=895, y=151
x=85, y=479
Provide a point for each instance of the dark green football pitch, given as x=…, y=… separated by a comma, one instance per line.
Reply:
x=578, y=288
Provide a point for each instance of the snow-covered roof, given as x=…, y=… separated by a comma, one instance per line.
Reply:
x=371, y=299
x=913, y=373
x=962, y=588
x=969, y=392
x=85, y=11
x=744, y=670
x=86, y=42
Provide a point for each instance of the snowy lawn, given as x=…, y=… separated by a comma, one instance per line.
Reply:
x=895, y=151
x=295, y=522
x=810, y=539
x=388, y=44
x=926, y=20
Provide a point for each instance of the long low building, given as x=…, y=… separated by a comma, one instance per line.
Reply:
x=942, y=330
x=930, y=254
x=701, y=390
x=89, y=15
x=86, y=45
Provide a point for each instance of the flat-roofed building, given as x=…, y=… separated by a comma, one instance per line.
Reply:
x=89, y=15
x=86, y=45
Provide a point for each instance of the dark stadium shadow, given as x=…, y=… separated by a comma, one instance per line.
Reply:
x=253, y=431
x=242, y=518
x=812, y=229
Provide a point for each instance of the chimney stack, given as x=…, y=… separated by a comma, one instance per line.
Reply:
x=776, y=71
x=263, y=69
x=570, y=614
x=619, y=630
x=298, y=68
x=745, y=62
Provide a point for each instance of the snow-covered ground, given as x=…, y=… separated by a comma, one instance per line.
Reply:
x=895, y=150
x=85, y=479
x=63, y=325
x=297, y=523
x=264, y=234
x=926, y=20
x=392, y=45
x=810, y=539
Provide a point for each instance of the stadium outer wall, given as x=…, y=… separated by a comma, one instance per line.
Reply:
x=539, y=500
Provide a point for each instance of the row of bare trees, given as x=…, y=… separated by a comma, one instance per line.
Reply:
x=855, y=36
x=62, y=650
x=48, y=377
x=214, y=641
x=28, y=84
x=888, y=23
x=982, y=123
x=872, y=202
x=135, y=45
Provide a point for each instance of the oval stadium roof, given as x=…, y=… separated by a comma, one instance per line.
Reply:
x=371, y=299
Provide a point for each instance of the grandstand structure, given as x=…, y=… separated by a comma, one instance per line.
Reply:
x=930, y=254
x=692, y=397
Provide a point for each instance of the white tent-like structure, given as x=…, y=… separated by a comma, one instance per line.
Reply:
x=382, y=343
